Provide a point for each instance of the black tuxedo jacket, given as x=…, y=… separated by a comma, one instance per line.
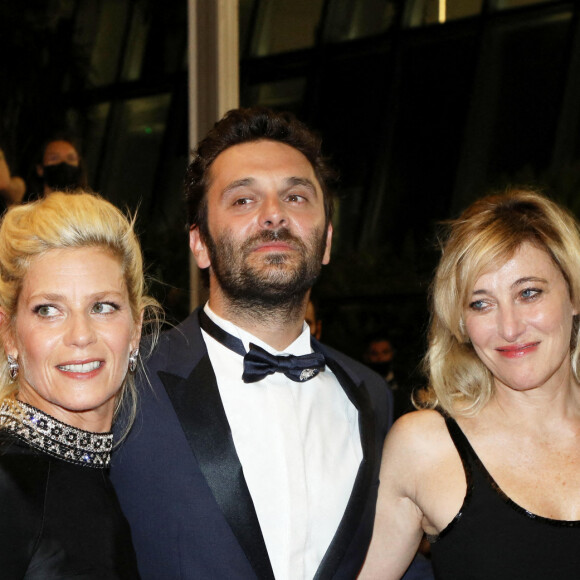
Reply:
x=181, y=484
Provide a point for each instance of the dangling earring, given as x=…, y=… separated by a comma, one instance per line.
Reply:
x=133, y=360
x=13, y=367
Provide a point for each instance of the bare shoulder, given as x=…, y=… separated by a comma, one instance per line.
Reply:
x=422, y=464
x=414, y=446
x=419, y=431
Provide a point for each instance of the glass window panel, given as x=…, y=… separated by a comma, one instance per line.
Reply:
x=287, y=94
x=516, y=104
x=530, y=60
x=283, y=26
x=425, y=12
x=166, y=38
x=246, y=9
x=349, y=19
x=101, y=29
x=134, y=142
x=94, y=136
x=507, y=4
x=136, y=45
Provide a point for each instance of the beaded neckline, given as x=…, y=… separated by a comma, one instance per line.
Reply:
x=55, y=438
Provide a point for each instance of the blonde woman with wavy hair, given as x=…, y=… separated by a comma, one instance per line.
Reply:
x=72, y=306
x=489, y=467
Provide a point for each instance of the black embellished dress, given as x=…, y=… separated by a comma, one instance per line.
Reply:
x=59, y=515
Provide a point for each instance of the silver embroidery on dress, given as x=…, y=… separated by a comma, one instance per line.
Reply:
x=58, y=439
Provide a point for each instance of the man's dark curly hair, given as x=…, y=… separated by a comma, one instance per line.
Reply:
x=243, y=126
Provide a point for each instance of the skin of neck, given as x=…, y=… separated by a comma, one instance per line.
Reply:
x=277, y=326
x=538, y=407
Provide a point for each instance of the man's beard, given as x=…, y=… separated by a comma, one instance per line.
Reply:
x=278, y=280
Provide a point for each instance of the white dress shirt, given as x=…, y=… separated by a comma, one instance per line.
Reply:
x=299, y=446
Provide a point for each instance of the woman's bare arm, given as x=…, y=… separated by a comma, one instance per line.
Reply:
x=398, y=527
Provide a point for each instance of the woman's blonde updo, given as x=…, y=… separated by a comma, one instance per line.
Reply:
x=65, y=221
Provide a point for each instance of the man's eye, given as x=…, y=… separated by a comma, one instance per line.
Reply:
x=295, y=198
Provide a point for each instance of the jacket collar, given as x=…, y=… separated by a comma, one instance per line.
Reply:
x=198, y=406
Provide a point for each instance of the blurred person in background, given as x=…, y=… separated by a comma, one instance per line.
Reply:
x=12, y=188
x=59, y=168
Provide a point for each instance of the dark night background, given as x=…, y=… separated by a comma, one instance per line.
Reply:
x=421, y=118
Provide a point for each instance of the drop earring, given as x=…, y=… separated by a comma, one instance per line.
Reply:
x=13, y=367
x=133, y=360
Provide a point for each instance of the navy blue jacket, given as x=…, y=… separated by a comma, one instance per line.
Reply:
x=181, y=484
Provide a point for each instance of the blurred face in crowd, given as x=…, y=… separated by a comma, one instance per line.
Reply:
x=379, y=351
x=60, y=152
x=60, y=169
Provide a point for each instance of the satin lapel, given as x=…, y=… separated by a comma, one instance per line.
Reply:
x=355, y=508
x=200, y=411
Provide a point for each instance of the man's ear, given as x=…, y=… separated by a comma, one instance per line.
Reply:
x=326, y=257
x=198, y=248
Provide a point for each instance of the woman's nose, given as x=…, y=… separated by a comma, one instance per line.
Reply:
x=510, y=323
x=80, y=330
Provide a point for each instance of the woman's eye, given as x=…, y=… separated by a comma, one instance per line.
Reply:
x=477, y=305
x=104, y=308
x=531, y=293
x=45, y=310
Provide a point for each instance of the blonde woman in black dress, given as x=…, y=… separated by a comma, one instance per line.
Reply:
x=71, y=311
x=490, y=470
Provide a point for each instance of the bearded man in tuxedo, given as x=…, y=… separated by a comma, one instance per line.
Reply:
x=256, y=449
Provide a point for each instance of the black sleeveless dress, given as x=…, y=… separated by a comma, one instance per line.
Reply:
x=492, y=538
x=59, y=515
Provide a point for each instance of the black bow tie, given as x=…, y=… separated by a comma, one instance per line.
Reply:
x=259, y=363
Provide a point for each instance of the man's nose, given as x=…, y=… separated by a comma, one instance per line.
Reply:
x=273, y=212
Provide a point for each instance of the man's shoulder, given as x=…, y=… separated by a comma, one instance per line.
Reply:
x=178, y=342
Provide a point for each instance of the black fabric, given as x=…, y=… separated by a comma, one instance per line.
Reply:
x=259, y=363
x=59, y=520
x=219, y=334
x=493, y=538
x=206, y=427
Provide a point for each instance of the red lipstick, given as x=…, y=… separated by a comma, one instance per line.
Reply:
x=517, y=350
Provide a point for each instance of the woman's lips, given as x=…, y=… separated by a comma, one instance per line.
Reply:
x=81, y=369
x=517, y=350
